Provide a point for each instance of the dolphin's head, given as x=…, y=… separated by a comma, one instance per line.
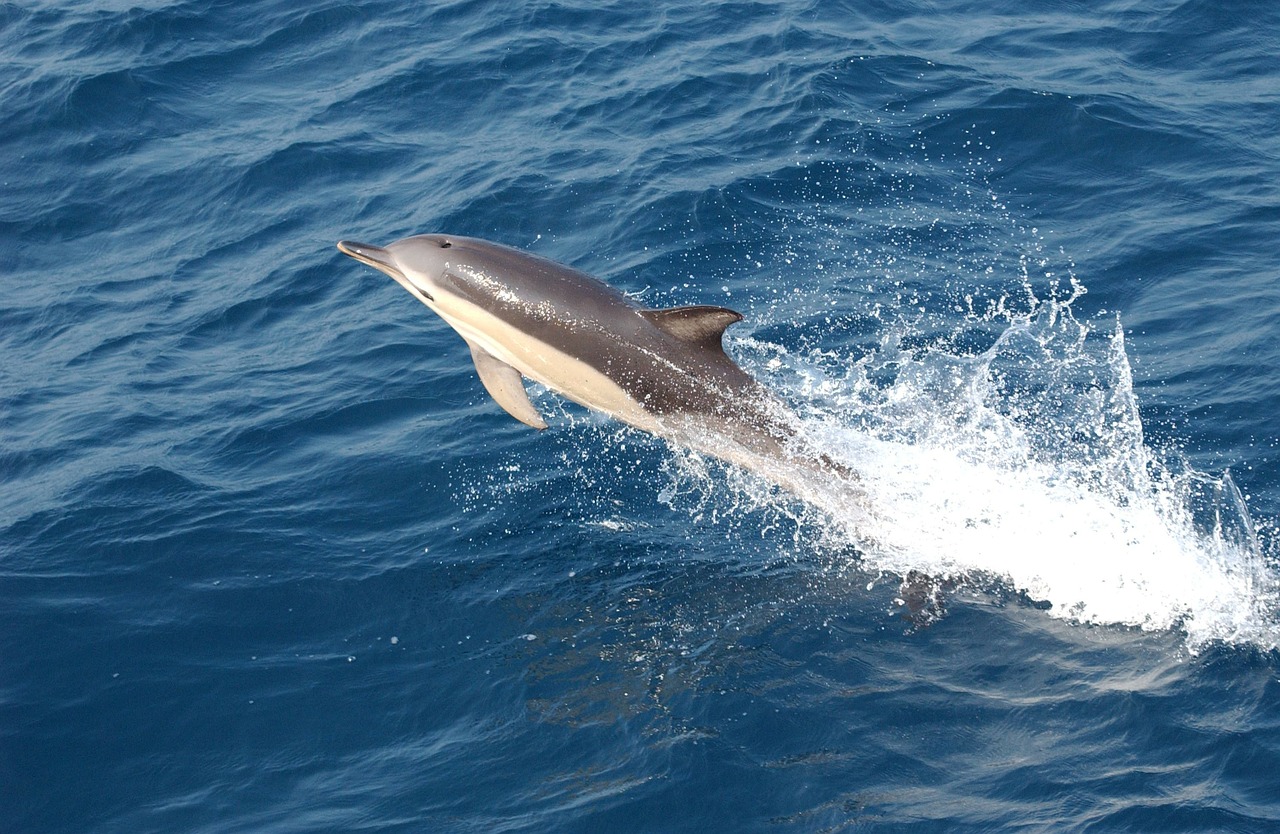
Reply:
x=419, y=263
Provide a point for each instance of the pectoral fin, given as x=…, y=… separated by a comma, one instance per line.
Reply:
x=506, y=386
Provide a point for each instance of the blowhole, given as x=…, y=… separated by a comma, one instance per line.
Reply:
x=444, y=244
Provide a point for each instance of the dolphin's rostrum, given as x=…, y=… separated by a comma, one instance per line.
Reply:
x=663, y=371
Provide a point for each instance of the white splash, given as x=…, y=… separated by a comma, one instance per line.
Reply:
x=1026, y=461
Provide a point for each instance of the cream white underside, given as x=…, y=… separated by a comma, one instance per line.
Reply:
x=542, y=362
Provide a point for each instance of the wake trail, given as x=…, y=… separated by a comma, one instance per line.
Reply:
x=1026, y=461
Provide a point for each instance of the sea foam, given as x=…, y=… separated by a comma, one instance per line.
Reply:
x=1026, y=461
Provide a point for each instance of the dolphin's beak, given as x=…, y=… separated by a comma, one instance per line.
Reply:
x=374, y=256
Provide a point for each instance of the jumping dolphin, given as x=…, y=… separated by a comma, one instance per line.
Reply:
x=662, y=371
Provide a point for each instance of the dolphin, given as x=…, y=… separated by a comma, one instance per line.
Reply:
x=663, y=371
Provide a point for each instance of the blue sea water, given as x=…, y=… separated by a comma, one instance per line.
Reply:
x=271, y=559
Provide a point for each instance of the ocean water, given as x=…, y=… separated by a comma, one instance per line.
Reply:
x=271, y=560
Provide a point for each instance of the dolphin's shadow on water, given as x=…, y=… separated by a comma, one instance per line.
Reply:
x=923, y=599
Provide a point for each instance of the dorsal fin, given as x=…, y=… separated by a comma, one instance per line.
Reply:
x=702, y=325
